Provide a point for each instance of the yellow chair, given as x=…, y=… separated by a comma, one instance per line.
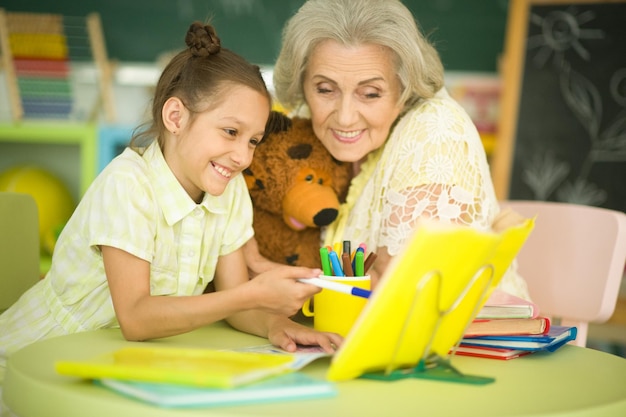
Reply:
x=573, y=261
x=19, y=246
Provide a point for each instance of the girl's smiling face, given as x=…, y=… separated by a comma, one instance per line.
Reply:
x=353, y=93
x=207, y=152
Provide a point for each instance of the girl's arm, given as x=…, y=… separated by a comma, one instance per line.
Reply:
x=142, y=316
x=256, y=262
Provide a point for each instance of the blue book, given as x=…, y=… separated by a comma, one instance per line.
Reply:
x=556, y=337
x=287, y=387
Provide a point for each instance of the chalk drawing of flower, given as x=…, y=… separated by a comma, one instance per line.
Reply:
x=543, y=174
x=581, y=192
x=613, y=138
x=583, y=99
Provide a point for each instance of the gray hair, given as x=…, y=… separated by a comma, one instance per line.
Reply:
x=355, y=22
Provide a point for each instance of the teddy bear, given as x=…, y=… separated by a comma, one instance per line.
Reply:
x=296, y=187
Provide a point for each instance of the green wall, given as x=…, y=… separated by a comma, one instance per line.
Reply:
x=468, y=33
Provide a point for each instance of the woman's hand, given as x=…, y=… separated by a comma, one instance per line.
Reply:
x=505, y=219
x=287, y=334
x=378, y=268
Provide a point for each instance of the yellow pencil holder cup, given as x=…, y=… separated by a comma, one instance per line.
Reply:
x=335, y=311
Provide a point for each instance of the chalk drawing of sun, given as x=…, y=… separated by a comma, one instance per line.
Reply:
x=561, y=30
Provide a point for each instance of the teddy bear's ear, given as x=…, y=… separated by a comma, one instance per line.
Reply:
x=277, y=122
x=300, y=151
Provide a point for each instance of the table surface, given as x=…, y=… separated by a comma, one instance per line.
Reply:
x=572, y=381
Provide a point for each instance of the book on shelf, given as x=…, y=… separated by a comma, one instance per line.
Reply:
x=187, y=366
x=556, y=337
x=288, y=387
x=490, y=353
x=494, y=327
x=501, y=305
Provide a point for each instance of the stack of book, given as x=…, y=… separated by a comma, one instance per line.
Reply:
x=182, y=377
x=508, y=327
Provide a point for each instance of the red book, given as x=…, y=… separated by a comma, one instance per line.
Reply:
x=490, y=353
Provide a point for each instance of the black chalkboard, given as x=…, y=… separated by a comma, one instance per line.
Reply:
x=568, y=127
x=468, y=34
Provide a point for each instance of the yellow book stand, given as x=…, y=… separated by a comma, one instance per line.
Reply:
x=425, y=301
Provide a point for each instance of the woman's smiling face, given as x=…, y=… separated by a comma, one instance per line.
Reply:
x=352, y=92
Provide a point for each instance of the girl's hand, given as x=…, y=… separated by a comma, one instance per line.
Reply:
x=278, y=291
x=287, y=334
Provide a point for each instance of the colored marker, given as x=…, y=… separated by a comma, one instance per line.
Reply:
x=337, y=247
x=337, y=286
x=325, y=261
x=334, y=260
x=369, y=261
x=359, y=249
x=347, y=265
x=346, y=247
x=358, y=264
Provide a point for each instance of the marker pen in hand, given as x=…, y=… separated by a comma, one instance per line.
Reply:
x=337, y=286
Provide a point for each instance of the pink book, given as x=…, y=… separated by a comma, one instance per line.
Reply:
x=501, y=305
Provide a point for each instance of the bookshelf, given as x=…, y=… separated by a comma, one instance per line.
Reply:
x=66, y=150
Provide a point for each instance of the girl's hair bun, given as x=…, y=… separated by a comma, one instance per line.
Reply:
x=202, y=40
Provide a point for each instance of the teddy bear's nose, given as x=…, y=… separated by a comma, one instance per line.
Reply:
x=325, y=216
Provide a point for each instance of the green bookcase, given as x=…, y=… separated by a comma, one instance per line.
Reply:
x=67, y=150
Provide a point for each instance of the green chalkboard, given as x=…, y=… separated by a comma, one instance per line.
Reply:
x=468, y=34
x=563, y=115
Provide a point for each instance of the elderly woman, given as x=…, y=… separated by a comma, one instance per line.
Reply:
x=374, y=88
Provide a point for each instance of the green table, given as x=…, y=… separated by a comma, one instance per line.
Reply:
x=573, y=381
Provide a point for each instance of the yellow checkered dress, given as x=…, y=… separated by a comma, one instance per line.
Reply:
x=137, y=205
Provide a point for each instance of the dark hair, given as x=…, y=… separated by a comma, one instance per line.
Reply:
x=199, y=76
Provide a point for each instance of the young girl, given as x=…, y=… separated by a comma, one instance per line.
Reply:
x=167, y=217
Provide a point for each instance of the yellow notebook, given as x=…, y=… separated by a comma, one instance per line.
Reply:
x=427, y=297
x=200, y=367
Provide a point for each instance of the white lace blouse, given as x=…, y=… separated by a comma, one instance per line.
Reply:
x=433, y=164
